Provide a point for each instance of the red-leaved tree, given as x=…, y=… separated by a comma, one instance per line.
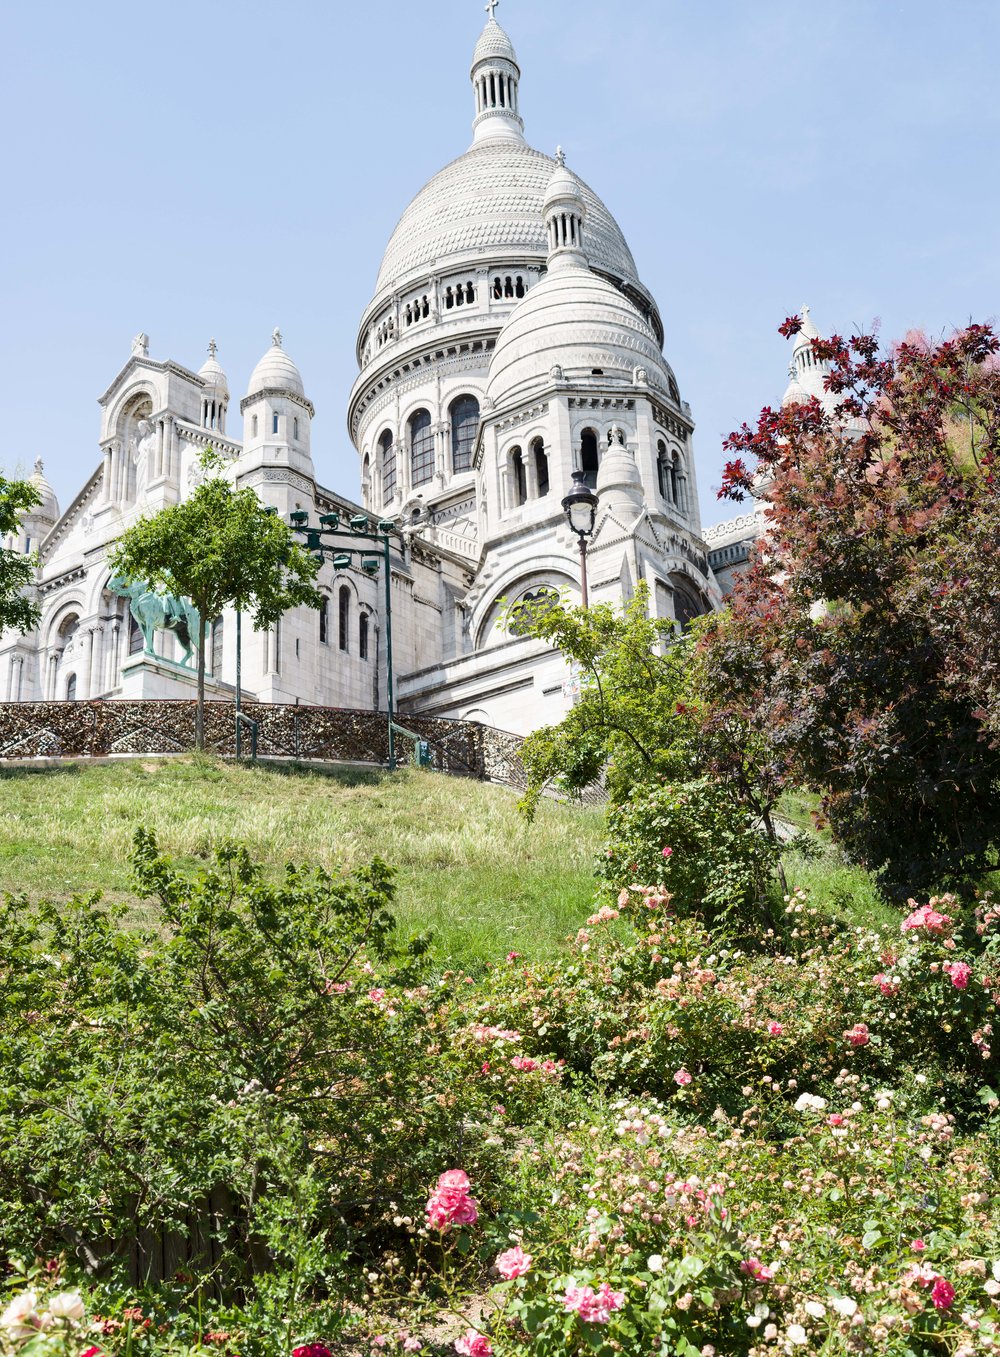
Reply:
x=861, y=651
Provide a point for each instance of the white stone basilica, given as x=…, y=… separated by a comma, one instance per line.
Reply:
x=509, y=342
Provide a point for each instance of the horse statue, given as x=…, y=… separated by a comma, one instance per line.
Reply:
x=156, y=610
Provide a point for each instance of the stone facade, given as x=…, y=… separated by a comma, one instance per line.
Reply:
x=509, y=343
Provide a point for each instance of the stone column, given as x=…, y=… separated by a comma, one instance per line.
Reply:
x=9, y=685
x=96, y=661
x=84, y=668
x=106, y=495
x=111, y=658
x=530, y=472
x=50, y=681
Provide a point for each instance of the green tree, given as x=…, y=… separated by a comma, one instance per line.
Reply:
x=16, y=571
x=632, y=721
x=220, y=548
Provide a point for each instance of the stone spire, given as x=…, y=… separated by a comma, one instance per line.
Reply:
x=495, y=79
x=565, y=214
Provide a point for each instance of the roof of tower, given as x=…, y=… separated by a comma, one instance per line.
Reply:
x=808, y=331
x=276, y=371
x=493, y=42
x=575, y=322
x=212, y=371
x=48, y=509
x=488, y=205
x=563, y=184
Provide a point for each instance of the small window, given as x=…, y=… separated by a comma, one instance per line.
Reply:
x=388, y=455
x=274, y=423
x=541, y=467
x=71, y=688
x=662, y=469
x=421, y=448
x=518, y=478
x=253, y=427
x=324, y=621
x=345, y=616
x=589, y=457
x=135, y=638
x=295, y=429
x=464, y=424
x=363, y=636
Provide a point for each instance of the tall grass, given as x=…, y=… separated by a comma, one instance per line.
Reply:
x=470, y=869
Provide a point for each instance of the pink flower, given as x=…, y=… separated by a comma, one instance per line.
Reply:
x=376, y=995
x=593, y=1307
x=926, y=918
x=774, y=1029
x=888, y=984
x=667, y=852
x=682, y=1077
x=943, y=1294
x=514, y=1263
x=473, y=1345
x=959, y=973
x=513, y=956
x=835, y=1119
x=412, y=1344
x=524, y=1063
x=858, y=1034
x=450, y=1203
x=917, y=1245
x=754, y=1268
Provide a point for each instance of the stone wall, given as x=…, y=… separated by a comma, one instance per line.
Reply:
x=32, y=730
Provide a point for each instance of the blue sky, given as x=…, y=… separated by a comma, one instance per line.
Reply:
x=214, y=169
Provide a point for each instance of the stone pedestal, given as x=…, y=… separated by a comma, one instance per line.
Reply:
x=151, y=676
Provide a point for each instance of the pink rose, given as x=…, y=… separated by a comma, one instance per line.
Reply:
x=473, y=1345
x=412, y=1345
x=774, y=1029
x=858, y=1034
x=376, y=995
x=943, y=1294
x=667, y=852
x=835, y=1119
x=754, y=1268
x=593, y=1307
x=450, y=1203
x=959, y=973
x=682, y=1077
x=926, y=918
x=918, y=1245
x=888, y=985
x=514, y=1263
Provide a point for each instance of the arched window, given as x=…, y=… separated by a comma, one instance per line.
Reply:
x=324, y=621
x=217, y=626
x=135, y=637
x=541, y=466
x=295, y=428
x=676, y=482
x=253, y=427
x=274, y=422
x=363, y=636
x=531, y=605
x=518, y=478
x=388, y=457
x=71, y=688
x=589, y=457
x=663, y=469
x=421, y=447
x=464, y=423
x=687, y=604
x=344, y=602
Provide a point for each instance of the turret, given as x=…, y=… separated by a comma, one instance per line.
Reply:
x=495, y=77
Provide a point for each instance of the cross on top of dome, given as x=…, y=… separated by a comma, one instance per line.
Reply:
x=490, y=7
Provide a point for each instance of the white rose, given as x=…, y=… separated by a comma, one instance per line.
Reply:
x=814, y=1308
x=21, y=1318
x=66, y=1305
x=796, y=1334
x=655, y=1262
x=845, y=1306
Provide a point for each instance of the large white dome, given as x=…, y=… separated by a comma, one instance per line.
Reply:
x=580, y=323
x=488, y=204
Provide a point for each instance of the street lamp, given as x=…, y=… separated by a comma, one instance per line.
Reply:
x=580, y=507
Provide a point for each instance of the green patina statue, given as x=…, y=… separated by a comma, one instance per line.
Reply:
x=157, y=610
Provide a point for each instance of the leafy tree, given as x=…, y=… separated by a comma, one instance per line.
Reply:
x=16, y=571
x=862, y=650
x=631, y=721
x=220, y=548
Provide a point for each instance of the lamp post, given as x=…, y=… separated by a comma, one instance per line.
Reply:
x=323, y=541
x=580, y=508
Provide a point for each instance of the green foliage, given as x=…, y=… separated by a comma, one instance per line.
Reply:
x=692, y=839
x=630, y=722
x=266, y=1040
x=219, y=548
x=17, y=612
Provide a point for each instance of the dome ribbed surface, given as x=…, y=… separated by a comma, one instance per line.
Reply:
x=276, y=371
x=487, y=205
x=211, y=371
x=579, y=322
x=48, y=510
x=493, y=42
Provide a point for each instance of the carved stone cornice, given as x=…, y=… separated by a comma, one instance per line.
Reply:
x=278, y=391
x=71, y=576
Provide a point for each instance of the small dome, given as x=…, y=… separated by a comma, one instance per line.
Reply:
x=212, y=372
x=563, y=186
x=576, y=322
x=493, y=42
x=808, y=331
x=276, y=371
x=48, y=510
x=619, y=484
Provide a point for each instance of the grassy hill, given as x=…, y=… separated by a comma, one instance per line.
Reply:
x=470, y=868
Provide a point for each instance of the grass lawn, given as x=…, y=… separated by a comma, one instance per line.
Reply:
x=470, y=869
